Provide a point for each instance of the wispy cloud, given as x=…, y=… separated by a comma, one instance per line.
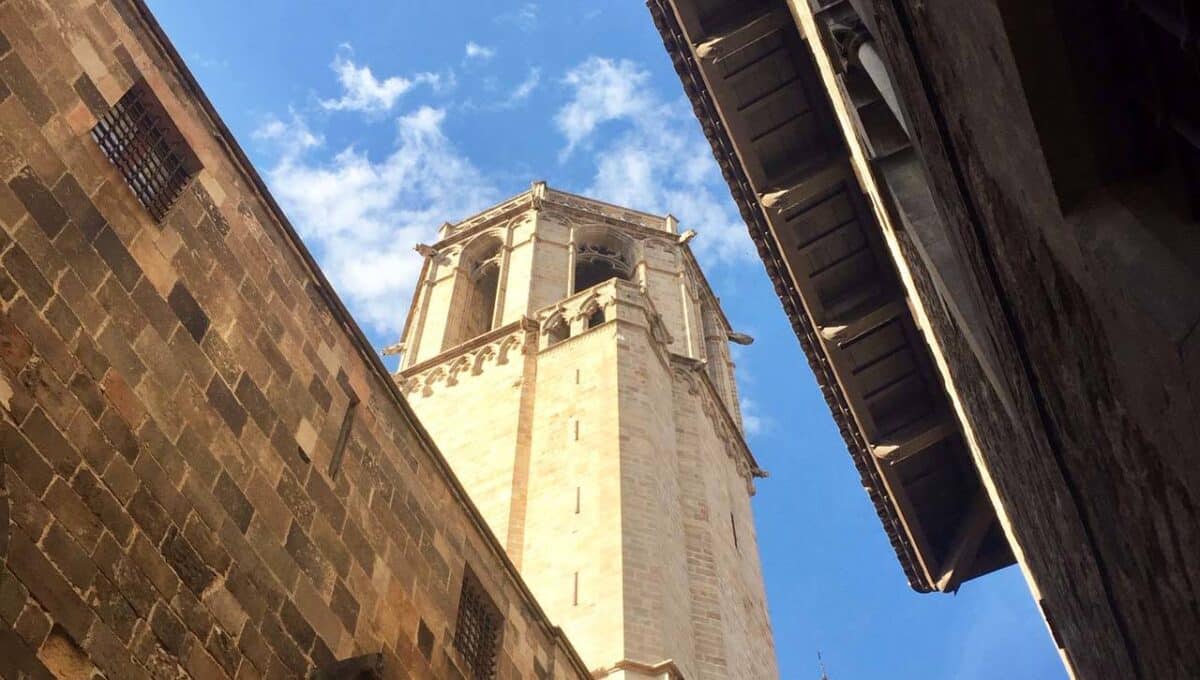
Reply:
x=476, y=51
x=361, y=216
x=208, y=62
x=603, y=90
x=363, y=91
x=525, y=88
x=753, y=421
x=651, y=155
x=524, y=17
x=291, y=137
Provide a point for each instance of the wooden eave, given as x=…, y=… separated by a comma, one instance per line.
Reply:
x=758, y=95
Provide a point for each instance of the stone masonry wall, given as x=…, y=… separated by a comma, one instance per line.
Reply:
x=729, y=620
x=473, y=416
x=170, y=396
x=1097, y=338
x=573, y=537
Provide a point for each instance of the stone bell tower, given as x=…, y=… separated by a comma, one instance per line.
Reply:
x=572, y=364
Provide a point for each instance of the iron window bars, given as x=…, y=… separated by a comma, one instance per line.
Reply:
x=477, y=635
x=139, y=138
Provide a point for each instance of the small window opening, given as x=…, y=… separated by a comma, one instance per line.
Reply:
x=475, y=292
x=557, y=332
x=339, y=447
x=425, y=640
x=138, y=137
x=577, y=494
x=601, y=260
x=595, y=318
x=575, y=594
x=733, y=525
x=477, y=633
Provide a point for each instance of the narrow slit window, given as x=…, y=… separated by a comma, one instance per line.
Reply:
x=733, y=526
x=339, y=448
x=425, y=640
x=477, y=633
x=138, y=137
x=575, y=591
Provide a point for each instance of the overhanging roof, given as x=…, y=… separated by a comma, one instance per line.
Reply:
x=759, y=98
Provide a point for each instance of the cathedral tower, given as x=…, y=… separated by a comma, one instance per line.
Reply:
x=572, y=364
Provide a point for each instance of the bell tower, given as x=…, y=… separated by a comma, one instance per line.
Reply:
x=572, y=363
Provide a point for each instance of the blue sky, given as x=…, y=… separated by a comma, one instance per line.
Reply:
x=375, y=122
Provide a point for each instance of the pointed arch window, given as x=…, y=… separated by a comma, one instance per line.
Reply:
x=596, y=317
x=557, y=330
x=601, y=256
x=475, y=291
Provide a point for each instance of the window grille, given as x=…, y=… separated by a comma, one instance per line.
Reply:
x=477, y=636
x=141, y=141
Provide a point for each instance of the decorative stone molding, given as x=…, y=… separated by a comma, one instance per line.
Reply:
x=561, y=205
x=471, y=358
x=606, y=210
x=666, y=669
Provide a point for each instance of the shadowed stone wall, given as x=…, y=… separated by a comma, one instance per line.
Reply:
x=171, y=395
x=1090, y=434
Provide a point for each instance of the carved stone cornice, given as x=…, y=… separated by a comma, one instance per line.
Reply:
x=496, y=347
x=666, y=667
x=551, y=202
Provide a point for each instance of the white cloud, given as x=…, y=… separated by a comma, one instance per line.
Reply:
x=362, y=216
x=291, y=137
x=476, y=51
x=524, y=17
x=603, y=91
x=362, y=91
x=752, y=419
x=650, y=154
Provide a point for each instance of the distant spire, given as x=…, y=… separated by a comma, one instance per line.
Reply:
x=821, y=664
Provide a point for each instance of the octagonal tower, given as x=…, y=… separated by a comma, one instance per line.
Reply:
x=572, y=363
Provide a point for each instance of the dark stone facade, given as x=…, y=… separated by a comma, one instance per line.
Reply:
x=1035, y=171
x=171, y=395
x=1091, y=312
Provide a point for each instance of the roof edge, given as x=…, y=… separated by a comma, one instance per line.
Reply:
x=752, y=213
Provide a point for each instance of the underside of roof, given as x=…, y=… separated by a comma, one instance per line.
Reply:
x=758, y=95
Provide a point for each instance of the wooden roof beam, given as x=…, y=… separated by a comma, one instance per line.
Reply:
x=963, y=551
x=909, y=521
x=912, y=441
x=842, y=333
x=807, y=184
x=715, y=48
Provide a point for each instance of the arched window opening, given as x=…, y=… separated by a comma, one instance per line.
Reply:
x=716, y=350
x=476, y=287
x=482, y=307
x=602, y=258
x=557, y=331
x=595, y=318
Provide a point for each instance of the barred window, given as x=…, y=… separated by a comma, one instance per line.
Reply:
x=139, y=138
x=477, y=636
